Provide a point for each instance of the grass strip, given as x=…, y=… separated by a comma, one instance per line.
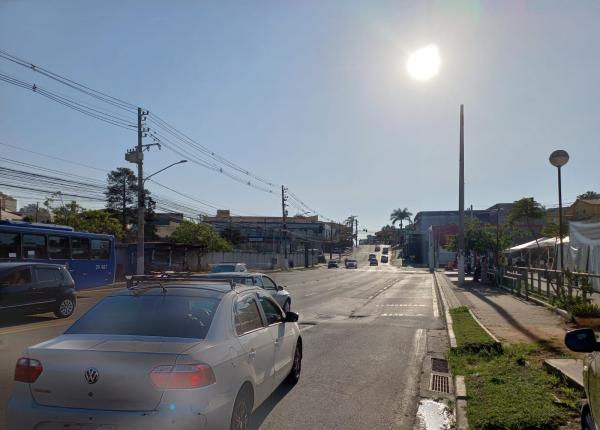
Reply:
x=469, y=334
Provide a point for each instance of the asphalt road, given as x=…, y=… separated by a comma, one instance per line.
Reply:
x=365, y=338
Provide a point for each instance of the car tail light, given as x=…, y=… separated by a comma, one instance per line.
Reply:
x=28, y=370
x=182, y=376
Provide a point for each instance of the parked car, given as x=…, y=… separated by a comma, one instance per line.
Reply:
x=332, y=264
x=351, y=264
x=373, y=262
x=279, y=293
x=385, y=251
x=180, y=354
x=33, y=288
x=584, y=340
x=384, y=258
x=228, y=267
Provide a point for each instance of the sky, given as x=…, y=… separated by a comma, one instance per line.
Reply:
x=315, y=95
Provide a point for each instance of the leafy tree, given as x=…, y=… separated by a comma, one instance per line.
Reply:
x=400, y=215
x=121, y=200
x=33, y=211
x=93, y=221
x=482, y=238
x=550, y=229
x=190, y=233
x=233, y=235
x=121, y=194
x=527, y=210
x=588, y=195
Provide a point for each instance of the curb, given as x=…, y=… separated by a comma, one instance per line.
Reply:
x=490, y=334
x=447, y=315
x=461, y=403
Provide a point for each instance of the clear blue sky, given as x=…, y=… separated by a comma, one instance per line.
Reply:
x=314, y=95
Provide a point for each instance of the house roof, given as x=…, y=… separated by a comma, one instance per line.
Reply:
x=10, y=216
x=590, y=201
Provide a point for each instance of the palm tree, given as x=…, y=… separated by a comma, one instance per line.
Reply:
x=400, y=215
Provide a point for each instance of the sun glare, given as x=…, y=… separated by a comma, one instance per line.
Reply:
x=424, y=63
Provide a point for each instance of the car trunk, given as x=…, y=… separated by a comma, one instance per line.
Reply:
x=123, y=367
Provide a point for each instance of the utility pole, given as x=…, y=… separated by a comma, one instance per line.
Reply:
x=124, y=214
x=136, y=156
x=356, y=234
x=461, y=203
x=284, y=224
x=37, y=208
x=1, y=202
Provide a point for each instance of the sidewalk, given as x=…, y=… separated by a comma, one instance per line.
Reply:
x=509, y=318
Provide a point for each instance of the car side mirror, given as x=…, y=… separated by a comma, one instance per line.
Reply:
x=291, y=316
x=582, y=340
x=279, y=288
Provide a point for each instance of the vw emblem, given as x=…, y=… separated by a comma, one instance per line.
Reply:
x=91, y=375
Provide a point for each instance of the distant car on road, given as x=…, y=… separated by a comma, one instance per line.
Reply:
x=373, y=262
x=372, y=256
x=377, y=248
x=33, y=288
x=384, y=258
x=228, y=267
x=180, y=354
x=351, y=264
x=281, y=295
x=332, y=264
x=386, y=250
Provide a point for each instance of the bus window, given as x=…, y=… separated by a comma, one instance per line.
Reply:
x=100, y=249
x=10, y=245
x=34, y=246
x=58, y=247
x=80, y=248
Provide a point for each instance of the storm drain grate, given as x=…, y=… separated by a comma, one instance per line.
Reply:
x=440, y=383
x=439, y=365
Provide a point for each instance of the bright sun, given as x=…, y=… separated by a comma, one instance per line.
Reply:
x=424, y=63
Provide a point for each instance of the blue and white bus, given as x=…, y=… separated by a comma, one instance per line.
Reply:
x=89, y=257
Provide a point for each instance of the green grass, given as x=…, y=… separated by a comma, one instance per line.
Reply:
x=511, y=390
x=469, y=335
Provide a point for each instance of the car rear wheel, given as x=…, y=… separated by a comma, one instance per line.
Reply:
x=241, y=418
x=65, y=307
x=294, y=375
x=286, y=306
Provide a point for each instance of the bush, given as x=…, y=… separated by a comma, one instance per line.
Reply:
x=586, y=310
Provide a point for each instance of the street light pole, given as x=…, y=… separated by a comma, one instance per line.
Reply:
x=461, y=203
x=558, y=159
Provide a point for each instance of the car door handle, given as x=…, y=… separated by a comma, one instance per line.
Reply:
x=252, y=355
x=277, y=343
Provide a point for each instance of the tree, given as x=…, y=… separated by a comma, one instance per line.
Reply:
x=400, y=215
x=34, y=213
x=121, y=199
x=93, y=221
x=121, y=194
x=233, y=235
x=204, y=235
x=482, y=238
x=527, y=210
x=550, y=229
x=588, y=195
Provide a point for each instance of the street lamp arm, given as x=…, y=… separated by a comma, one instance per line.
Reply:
x=163, y=169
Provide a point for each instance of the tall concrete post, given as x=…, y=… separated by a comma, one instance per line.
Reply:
x=461, y=202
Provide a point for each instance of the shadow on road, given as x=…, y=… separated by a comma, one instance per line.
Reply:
x=260, y=415
x=15, y=320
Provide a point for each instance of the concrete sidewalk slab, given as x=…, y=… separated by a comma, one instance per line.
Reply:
x=571, y=368
x=511, y=319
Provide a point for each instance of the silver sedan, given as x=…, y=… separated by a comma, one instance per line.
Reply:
x=171, y=355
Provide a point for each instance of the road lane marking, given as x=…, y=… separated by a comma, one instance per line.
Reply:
x=436, y=312
x=308, y=327
x=332, y=288
x=309, y=294
x=400, y=304
x=403, y=315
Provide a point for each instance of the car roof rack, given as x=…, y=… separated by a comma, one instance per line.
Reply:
x=135, y=281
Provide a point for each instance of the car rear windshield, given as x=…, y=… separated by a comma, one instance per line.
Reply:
x=149, y=315
x=224, y=268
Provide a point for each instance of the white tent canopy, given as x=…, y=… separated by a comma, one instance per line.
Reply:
x=543, y=242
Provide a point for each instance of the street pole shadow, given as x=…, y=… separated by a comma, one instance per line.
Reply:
x=260, y=415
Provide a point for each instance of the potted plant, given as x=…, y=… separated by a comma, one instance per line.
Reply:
x=586, y=315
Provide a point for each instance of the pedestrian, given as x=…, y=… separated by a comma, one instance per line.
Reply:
x=484, y=270
x=477, y=272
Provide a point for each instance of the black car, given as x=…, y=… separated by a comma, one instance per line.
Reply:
x=31, y=288
x=373, y=262
x=332, y=264
x=384, y=258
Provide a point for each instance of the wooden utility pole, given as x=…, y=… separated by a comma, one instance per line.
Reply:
x=461, y=203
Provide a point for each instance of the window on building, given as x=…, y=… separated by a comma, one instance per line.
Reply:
x=80, y=248
x=58, y=247
x=10, y=245
x=34, y=246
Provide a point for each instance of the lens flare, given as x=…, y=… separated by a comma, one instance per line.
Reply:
x=424, y=63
